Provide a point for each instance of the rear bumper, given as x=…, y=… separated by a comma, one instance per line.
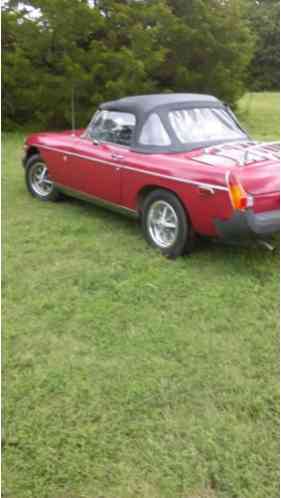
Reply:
x=247, y=225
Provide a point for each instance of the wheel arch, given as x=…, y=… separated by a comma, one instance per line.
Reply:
x=142, y=194
x=31, y=151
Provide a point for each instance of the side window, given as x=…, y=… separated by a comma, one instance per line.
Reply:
x=115, y=127
x=154, y=133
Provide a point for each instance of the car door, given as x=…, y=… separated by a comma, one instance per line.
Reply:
x=93, y=172
x=97, y=155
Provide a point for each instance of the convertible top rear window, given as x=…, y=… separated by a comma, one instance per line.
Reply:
x=198, y=125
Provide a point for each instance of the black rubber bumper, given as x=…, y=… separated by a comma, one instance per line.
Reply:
x=247, y=225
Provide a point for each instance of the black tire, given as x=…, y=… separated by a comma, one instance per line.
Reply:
x=183, y=236
x=34, y=163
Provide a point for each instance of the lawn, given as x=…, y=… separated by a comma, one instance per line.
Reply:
x=128, y=375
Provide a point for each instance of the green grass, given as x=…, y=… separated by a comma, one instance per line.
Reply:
x=129, y=375
x=259, y=113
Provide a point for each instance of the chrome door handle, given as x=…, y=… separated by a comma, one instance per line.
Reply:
x=117, y=157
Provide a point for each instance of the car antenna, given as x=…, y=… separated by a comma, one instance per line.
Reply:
x=73, y=110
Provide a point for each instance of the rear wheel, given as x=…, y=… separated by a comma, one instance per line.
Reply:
x=37, y=180
x=165, y=223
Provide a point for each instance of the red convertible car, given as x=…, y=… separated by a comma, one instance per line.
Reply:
x=180, y=162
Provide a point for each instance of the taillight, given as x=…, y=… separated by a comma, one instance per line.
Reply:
x=238, y=196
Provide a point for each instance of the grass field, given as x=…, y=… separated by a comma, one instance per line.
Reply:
x=128, y=375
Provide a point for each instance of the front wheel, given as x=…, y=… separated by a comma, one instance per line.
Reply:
x=165, y=223
x=37, y=180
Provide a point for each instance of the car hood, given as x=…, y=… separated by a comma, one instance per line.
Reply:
x=52, y=138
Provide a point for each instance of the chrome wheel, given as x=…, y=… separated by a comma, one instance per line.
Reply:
x=163, y=224
x=39, y=181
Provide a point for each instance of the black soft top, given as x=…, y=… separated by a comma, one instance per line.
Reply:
x=143, y=105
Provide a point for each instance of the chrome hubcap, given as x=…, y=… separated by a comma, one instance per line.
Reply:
x=163, y=224
x=40, y=183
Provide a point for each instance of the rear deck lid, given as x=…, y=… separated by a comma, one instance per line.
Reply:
x=260, y=168
x=261, y=178
x=257, y=165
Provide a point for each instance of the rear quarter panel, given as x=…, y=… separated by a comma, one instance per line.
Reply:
x=262, y=180
x=174, y=172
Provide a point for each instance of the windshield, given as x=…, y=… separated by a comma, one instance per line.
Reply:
x=202, y=125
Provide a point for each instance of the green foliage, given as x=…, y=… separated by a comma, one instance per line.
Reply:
x=108, y=49
x=102, y=54
x=210, y=48
x=264, y=71
x=128, y=375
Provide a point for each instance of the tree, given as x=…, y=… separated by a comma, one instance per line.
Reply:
x=264, y=71
x=103, y=52
x=105, y=49
x=210, y=49
x=18, y=79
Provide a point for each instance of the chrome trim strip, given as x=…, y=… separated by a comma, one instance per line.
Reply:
x=96, y=200
x=129, y=168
